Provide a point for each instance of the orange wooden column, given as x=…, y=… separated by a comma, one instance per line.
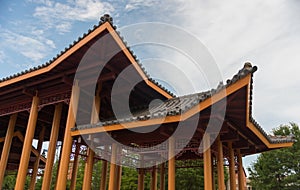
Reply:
x=58, y=164
x=6, y=146
x=67, y=144
x=154, y=178
x=171, y=164
x=141, y=178
x=26, y=151
x=88, y=170
x=231, y=166
x=75, y=167
x=52, y=147
x=207, y=162
x=212, y=172
x=103, y=175
x=37, y=161
x=220, y=159
x=118, y=177
x=162, y=177
x=240, y=170
x=112, y=172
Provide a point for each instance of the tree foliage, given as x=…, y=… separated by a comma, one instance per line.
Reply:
x=278, y=169
x=10, y=181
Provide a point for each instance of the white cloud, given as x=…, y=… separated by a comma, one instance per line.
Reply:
x=63, y=27
x=50, y=43
x=62, y=15
x=31, y=48
x=2, y=56
x=43, y=2
x=136, y=4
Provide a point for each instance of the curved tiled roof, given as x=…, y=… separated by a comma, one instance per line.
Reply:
x=271, y=138
x=179, y=105
x=103, y=19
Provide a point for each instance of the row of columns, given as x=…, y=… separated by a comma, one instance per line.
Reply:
x=208, y=173
x=27, y=147
x=115, y=170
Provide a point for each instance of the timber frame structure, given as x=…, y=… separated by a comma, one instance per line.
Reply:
x=42, y=103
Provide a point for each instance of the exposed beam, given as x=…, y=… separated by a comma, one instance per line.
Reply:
x=28, y=92
x=33, y=150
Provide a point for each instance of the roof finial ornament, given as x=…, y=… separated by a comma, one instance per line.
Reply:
x=248, y=65
x=107, y=18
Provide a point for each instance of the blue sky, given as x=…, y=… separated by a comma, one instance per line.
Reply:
x=266, y=33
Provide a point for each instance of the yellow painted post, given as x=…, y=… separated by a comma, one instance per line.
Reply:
x=119, y=177
x=112, y=172
x=7, y=145
x=75, y=167
x=96, y=109
x=221, y=180
x=37, y=161
x=52, y=147
x=88, y=170
x=154, y=178
x=212, y=172
x=141, y=178
x=231, y=166
x=67, y=144
x=58, y=164
x=103, y=175
x=26, y=151
x=171, y=164
x=207, y=162
x=162, y=176
x=240, y=170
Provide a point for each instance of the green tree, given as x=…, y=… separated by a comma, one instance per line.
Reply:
x=278, y=169
x=9, y=181
x=129, y=178
x=189, y=178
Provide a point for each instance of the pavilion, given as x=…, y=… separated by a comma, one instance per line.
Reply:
x=44, y=103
